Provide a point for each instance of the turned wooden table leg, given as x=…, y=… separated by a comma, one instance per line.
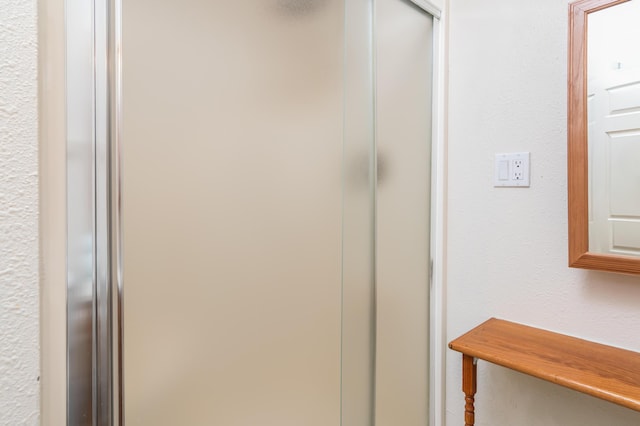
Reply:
x=469, y=388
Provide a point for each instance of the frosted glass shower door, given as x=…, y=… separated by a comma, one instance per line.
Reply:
x=232, y=212
x=404, y=79
x=275, y=212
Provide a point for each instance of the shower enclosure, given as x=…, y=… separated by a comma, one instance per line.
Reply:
x=249, y=197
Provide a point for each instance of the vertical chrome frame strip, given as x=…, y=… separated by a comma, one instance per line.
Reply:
x=115, y=96
x=437, y=299
x=89, y=307
x=81, y=224
x=103, y=366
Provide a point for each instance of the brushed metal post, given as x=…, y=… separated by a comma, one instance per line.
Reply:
x=89, y=285
x=81, y=223
x=103, y=352
x=115, y=220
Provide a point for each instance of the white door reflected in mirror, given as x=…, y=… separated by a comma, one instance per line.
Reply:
x=613, y=102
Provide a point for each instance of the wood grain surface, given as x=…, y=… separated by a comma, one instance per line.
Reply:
x=606, y=372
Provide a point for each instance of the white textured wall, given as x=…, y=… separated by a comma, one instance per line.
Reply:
x=19, y=320
x=507, y=248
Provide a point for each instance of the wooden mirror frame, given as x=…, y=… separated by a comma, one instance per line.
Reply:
x=577, y=167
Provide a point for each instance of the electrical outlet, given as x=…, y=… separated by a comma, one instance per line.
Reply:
x=517, y=169
x=512, y=170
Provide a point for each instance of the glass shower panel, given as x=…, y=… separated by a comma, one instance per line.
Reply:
x=404, y=44
x=232, y=212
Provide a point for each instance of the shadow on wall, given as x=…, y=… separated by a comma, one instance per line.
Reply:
x=608, y=288
x=532, y=398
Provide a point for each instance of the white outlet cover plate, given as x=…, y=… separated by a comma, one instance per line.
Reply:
x=512, y=170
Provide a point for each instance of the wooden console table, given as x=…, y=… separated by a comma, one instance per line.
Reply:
x=606, y=372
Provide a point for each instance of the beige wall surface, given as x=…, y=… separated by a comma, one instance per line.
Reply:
x=507, y=247
x=19, y=275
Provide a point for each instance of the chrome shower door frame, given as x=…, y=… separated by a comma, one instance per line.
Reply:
x=92, y=82
x=94, y=277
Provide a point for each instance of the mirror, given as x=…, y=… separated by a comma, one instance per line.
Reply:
x=613, y=129
x=604, y=135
